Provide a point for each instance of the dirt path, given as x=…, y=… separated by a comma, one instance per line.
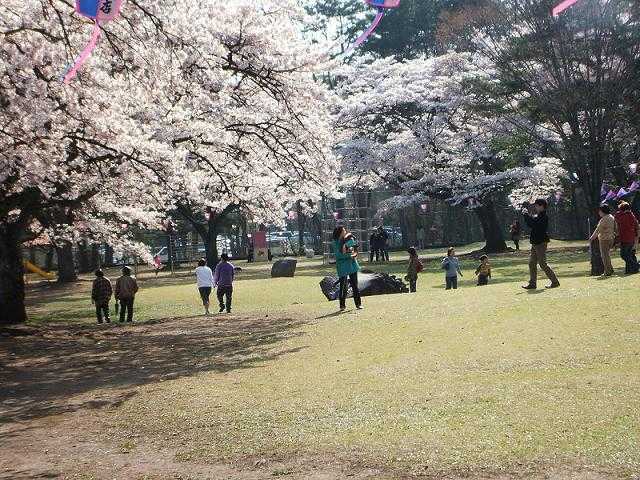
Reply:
x=59, y=383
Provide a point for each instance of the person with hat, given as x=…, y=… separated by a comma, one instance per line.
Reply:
x=126, y=289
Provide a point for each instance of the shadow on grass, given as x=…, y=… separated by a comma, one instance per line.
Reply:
x=337, y=313
x=66, y=369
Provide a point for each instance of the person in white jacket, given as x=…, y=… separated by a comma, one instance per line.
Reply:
x=204, y=280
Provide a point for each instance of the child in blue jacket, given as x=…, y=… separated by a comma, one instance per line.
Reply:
x=451, y=266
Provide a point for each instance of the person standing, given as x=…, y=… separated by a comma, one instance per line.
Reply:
x=420, y=233
x=605, y=232
x=384, y=243
x=157, y=264
x=373, y=246
x=347, y=266
x=539, y=239
x=100, y=295
x=204, y=281
x=223, y=280
x=415, y=267
x=628, y=230
x=451, y=266
x=483, y=271
x=126, y=289
x=516, y=231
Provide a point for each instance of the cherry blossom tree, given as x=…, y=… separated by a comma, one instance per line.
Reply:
x=181, y=104
x=63, y=171
x=576, y=75
x=416, y=126
x=244, y=126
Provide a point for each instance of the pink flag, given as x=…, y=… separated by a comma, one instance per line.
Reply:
x=611, y=195
x=562, y=6
x=634, y=186
x=621, y=193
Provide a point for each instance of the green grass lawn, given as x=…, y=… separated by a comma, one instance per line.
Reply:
x=484, y=379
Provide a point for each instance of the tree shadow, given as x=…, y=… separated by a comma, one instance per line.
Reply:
x=70, y=368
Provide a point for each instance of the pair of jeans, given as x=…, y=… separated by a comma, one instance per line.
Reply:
x=516, y=241
x=126, y=305
x=451, y=282
x=103, y=310
x=483, y=280
x=538, y=256
x=225, y=295
x=605, y=252
x=344, y=290
x=205, y=292
x=413, y=285
x=628, y=254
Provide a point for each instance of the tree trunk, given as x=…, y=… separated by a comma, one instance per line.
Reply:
x=12, y=309
x=211, y=243
x=94, y=259
x=404, y=228
x=592, y=197
x=108, y=255
x=301, y=225
x=83, y=257
x=66, y=267
x=493, y=236
x=48, y=259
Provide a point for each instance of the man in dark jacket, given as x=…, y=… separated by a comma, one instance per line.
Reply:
x=100, y=295
x=628, y=234
x=383, y=240
x=539, y=239
x=373, y=246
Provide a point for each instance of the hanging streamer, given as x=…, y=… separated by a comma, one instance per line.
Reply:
x=362, y=38
x=84, y=55
x=100, y=11
x=562, y=6
x=382, y=6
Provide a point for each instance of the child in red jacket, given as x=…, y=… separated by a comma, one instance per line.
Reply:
x=628, y=229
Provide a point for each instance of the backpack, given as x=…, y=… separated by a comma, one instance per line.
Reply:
x=419, y=267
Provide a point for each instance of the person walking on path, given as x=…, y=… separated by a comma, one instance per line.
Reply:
x=628, y=230
x=223, y=280
x=516, y=231
x=100, y=295
x=126, y=289
x=605, y=232
x=415, y=267
x=204, y=281
x=347, y=266
x=451, y=266
x=539, y=239
x=483, y=271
